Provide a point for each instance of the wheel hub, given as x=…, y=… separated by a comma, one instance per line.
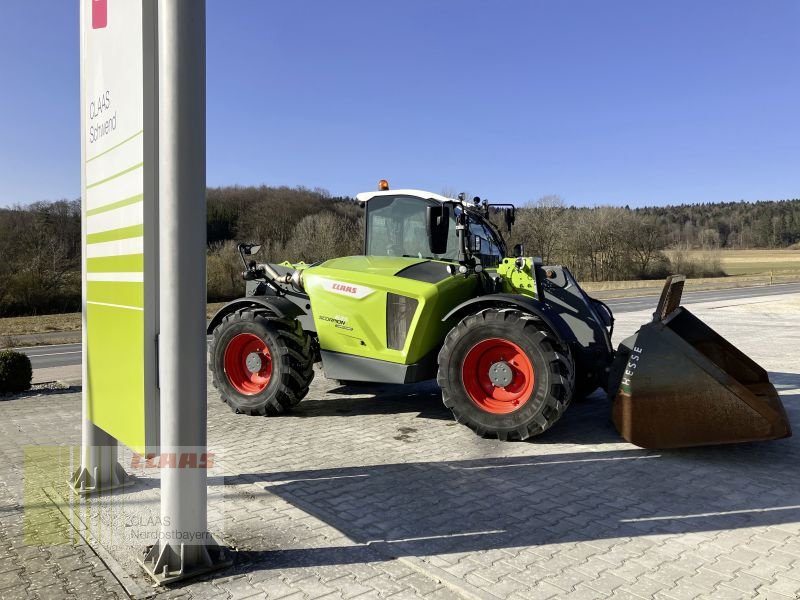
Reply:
x=253, y=362
x=500, y=374
x=248, y=363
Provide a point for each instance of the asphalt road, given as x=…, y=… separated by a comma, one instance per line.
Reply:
x=43, y=357
x=621, y=305
x=62, y=355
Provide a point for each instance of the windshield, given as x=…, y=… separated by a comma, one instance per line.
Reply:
x=396, y=226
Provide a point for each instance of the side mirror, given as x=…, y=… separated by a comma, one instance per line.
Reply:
x=519, y=250
x=438, y=226
x=249, y=249
x=511, y=216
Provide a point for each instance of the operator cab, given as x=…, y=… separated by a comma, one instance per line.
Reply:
x=397, y=224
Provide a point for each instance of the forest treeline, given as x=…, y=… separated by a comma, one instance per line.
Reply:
x=40, y=242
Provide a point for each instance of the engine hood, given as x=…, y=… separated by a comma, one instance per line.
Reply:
x=374, y=265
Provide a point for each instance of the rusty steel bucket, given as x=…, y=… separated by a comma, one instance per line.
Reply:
x=679, y=383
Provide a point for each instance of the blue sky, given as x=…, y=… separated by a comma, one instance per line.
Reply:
x=613, y=102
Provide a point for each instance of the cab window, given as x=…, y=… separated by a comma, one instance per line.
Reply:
x=490, y=253
x=396, y=226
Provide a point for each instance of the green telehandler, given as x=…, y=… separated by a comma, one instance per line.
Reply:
x=510, y=341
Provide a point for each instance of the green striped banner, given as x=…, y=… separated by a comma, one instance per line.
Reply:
x=114, y=176
x=127, y=263
x=125, y=141
x=117, y=204
x=111, y=235
x=123, y=293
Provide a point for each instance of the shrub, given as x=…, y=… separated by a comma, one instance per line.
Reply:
x=707, y=264
x=15, y=372
x=659, y=267
x=224, y=272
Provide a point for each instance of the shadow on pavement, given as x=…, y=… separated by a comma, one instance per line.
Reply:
x=586, y=422
x=785, y=381
x=442, y=507
x=467, y=506
x=367, y=399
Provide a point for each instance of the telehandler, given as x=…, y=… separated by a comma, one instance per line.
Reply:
x=510, y=341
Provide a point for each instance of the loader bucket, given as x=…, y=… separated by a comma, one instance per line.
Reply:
x=679, y=383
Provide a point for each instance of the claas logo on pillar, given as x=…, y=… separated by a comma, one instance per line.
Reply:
x=99, y=14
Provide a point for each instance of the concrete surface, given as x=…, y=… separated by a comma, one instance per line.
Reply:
x=377, y=493
x=68, y=376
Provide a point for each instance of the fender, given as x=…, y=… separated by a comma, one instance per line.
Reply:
x=551, y=318
x=280, y=306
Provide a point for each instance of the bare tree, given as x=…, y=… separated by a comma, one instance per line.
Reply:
x=322, y=236
x=541, y=226
x=643, y=241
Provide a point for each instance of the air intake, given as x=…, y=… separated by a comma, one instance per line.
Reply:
x=399, y=314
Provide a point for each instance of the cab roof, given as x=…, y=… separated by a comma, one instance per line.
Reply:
x=367, y=196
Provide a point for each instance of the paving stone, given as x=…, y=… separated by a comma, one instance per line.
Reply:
x=684, y=591
x=20, y=590
x=744, y=583
x=606, y=583
x=420, y=583
x=542, y=590
x=643, y=588
x=238, y=588
x=11, y=579
x=274, y=588
x=630, y=571
x=583, y=592
x=782, y=585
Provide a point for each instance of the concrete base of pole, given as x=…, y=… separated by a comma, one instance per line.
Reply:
x=96, y=480
x=169, y=562
x=99, y=470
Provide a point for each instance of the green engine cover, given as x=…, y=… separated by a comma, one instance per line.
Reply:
x=383, y=307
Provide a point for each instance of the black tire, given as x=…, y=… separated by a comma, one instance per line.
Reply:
x=292, y=355
x=552, y=364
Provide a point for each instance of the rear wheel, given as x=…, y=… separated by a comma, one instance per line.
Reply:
x=262, y=364
x=504, y=375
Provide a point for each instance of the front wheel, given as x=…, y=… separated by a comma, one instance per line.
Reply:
x=262, y=364
x=504, y=375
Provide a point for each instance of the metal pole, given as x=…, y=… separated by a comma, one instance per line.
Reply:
x=184, y=548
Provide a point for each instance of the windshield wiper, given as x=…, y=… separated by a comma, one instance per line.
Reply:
x=429, y=258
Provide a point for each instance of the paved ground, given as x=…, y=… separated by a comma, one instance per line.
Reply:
x=380, y=494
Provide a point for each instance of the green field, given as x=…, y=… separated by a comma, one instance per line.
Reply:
x=751, y=262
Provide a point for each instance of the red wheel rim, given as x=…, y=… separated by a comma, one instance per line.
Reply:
x=479, y=386
x=242, y=355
